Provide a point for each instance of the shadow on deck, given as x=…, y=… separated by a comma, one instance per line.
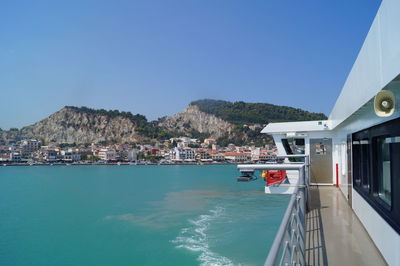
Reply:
x=334, y=235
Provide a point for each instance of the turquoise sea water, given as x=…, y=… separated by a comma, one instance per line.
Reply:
x=134, y=215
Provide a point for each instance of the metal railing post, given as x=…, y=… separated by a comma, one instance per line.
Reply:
x=302, y=212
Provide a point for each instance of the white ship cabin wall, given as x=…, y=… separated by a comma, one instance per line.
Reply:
x=354, y=124
x=298, y=132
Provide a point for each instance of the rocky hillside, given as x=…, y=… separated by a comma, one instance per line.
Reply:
x=82, y=125
x=196, y=123
x=192, y=121
x=239, y=123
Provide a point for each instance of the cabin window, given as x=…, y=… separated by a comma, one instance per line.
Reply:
x=383, y=170
x=286, y=145
x=361, y=163
x=356, y=163
x=298, y=146
x=320, y=149
x=365, y=163
x=376, y=169
x=294, y=146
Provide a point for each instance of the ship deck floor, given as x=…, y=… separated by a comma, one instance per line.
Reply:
x=334, y=234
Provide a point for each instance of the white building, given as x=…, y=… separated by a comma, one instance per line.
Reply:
x=130, y=155
x=236, y=156
x=210, y=141
x=30, y=145
x=215, y=147
x=182, y=154
x=107, y=154
x=70, y=155
x=255, y=154
x=183, y=142
x=218, y=157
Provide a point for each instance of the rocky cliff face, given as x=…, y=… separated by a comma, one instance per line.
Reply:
x=194, y=119
x=10, y=135
x=75, y=125
x=69, y=126
x=225, y=121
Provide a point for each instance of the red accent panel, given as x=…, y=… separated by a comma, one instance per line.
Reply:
x=337, y=175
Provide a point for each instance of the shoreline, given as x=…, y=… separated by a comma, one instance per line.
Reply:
x=118, y=164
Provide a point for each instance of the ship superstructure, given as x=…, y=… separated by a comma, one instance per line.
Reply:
x=358, y=148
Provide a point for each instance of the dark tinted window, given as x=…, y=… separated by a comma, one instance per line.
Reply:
x=376, y=169
x=383, y=167
x=365, y=163
x=356, y=162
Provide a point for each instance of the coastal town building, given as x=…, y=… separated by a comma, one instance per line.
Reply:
x=215, y=147
x=106, y=154
x=30, y=145
x=16, y=157
x=218, y=157
x=210, y=141
x=236, y=157
x=127, y=155
x=70, y=156
x=232, y=147
x=203, y=155
x=50, y=155
x=179, y=154
x=131, y=155
x=26, y=156
x=188, y=150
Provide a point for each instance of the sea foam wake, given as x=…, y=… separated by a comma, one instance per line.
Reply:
x=194, y=238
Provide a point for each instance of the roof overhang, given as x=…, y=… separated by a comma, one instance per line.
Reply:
x=296, y=127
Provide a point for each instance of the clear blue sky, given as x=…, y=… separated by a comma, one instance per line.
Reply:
x=154, y=57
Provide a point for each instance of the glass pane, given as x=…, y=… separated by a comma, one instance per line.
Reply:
x=365, y=163
x=320, y=149
x=298, y=146
x=286, y=145
x=356, y=149
x=384, y=176
x=294, y=146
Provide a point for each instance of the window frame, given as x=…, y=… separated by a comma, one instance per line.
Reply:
x=365, y=171
x=390, y=129
x=376, y=169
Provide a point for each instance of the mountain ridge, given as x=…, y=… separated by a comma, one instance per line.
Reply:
x=228, y=122
x=261, y=113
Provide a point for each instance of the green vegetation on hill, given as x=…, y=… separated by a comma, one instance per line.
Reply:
x=138, y=119
x=245, y=136
x=241, y=113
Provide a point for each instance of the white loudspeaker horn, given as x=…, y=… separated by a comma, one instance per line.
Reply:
x=384, y=103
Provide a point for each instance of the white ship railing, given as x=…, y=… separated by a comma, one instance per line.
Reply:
x=288, y=247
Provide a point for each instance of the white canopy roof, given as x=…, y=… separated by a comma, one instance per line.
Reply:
x=296, y=127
